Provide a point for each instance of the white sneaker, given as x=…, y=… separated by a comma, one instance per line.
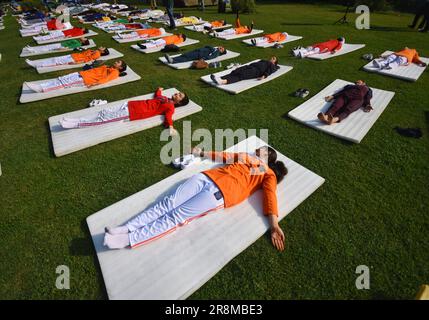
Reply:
x=192, y=161
x=376, y=64
x=34, y=87
x=185, y=159
x=67, y=124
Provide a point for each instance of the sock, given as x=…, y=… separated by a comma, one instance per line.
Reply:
x=117, y=230
x=118, y=241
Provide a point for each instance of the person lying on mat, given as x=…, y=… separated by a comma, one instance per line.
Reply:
x=239, y=29
x=214, y=189
x=142, y=34
x=162, y=42
x=86, y=78
x=52, y=24
x=205, y=53
x=404, y=57
x=331, y=46
x=126, y=26
x=256, y=70
x=59, y=34
x=64, y=45
x=134, y=110
x=187, y=20
x=209, y=26
x=269, y=38
x=346, y=101
x=74, y=58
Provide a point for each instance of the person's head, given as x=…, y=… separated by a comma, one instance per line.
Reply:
x=84, y=41
x=120, y=65
x=180, y=99
x=269, y=155
x=222, y=50
x=183, y=36
x=103, y=51
x=360, y=83
x=341, y=39
x=274, y=60
x=85, y=30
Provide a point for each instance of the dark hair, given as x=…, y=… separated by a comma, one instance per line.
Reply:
x=86, y=42
x=85, y=30
x=278, y=167
x=277, y=60
x=106, y=52
x=183, y=102
x=224, y=52
x=123, y=66
x=341, y=39
x=183, y=36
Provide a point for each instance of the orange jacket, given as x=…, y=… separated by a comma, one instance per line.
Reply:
x=241, y=30
x=86, y=56
x=217, y=23
x=411, y=55
x=174, y=39
x=276, y=37
x=240, y=179
x=99, y=75
x=149, y=32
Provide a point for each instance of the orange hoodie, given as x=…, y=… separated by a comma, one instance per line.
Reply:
x=241, y=30
x=276, y=37
x=174, y=39
x=411, y=55
x=217, y=23
x=149, y=32
x=86, y=56
x=99, y=75
x=240, y=179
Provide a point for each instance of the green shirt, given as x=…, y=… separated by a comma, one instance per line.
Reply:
x=72, y=44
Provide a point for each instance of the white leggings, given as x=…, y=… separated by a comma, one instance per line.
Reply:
x=226, y=32
x=305, y=52
x=70, y=80
x=195, y=198
x=393, y=61
x=155, y=43
x=52, y=35
x=55, y=61
x=46, y=48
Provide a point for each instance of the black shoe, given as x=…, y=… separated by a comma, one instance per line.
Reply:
x=141, y=46
x=253, y=41
x=409, y=132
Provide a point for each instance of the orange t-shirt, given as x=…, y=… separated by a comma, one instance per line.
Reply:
x=241, y=30
x=174, y=39
x=410, y=54
x=149, y=32
x=99, y=75
x=86, y=56
x=217, y=23
x=240, y=179
x=276, y=37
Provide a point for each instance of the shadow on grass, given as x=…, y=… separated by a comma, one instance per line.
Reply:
x=393, y=29
x=301, y=24
x=50, y=144
x=427, y=121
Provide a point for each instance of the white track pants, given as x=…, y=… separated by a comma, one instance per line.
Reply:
x=57, y=34
x=305, y=52
x=117, y=113
x=227, y=32
x=392, y=61
x=195, y=198
x=55, y=61
x=45, y=48
x=155, y=43
x=70, y=80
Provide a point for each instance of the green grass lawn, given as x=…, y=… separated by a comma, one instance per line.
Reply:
x=372, y=209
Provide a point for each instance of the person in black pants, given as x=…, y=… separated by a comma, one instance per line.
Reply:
x=169, y=6
x=422, y=7
x=205, y=53
x=256, y=70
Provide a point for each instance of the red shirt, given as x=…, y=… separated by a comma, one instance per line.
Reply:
x=74, y=32
x=159, y=105
x=330, y=45
x=52, y=24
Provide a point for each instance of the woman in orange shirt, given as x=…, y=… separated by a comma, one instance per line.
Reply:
x=86, y=78
x=162, y=42
x=404, y=57
x=221, y=187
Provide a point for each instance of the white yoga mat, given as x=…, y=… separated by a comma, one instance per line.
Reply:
x=186, y=65
x=28, y=95
x=121, y=40
x=289, y=38
x=185, y=43
x=114, y=54
x=355, y=126
x=347, y=48
x=184, y=24
x=116, y=31
x=175, y=266
x=67, y=141
x=86, y=35
x=244, y=85
x=412, y=72
x=242, y=35
x=27, y=53
x=200, y=28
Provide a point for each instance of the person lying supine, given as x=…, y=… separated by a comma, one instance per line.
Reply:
x=164, y=41
x=58, y=34
x=269, y=38
x=86, y=78
x=142, y=34
x=405, y=57
x=134, y=110
x=331, y=46
x=64, y=45
x=74, y=58
x=256, y=70
x=205, y=53
x=239, y=29
x=348, y=100
x=211, y=190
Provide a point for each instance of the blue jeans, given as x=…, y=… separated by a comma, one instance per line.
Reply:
x=169, y=5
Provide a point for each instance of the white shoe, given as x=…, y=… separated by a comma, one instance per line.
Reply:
x=178, y=162
x=67, y=124
x=34, y=87
x=190, y=162
x=376, y=64
x=97, y=102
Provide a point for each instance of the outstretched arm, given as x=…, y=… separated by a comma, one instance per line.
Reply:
x=277, y=235
x=222, y=157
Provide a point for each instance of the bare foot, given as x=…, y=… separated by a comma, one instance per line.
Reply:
x=323, y=118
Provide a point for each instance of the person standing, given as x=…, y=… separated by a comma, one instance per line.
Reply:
x=169, y=6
